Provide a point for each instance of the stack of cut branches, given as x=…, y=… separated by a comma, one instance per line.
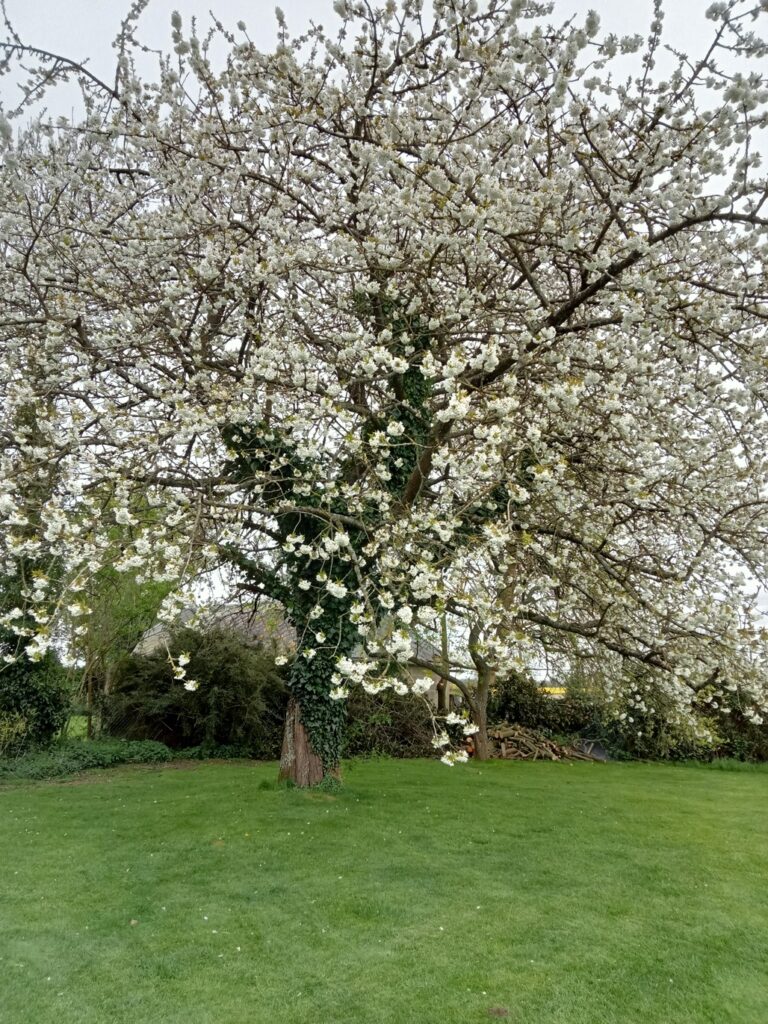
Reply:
x=516, y=743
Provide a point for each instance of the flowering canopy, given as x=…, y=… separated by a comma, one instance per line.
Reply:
x=401, y=321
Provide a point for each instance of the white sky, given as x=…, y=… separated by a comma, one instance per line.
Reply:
x=84, y=29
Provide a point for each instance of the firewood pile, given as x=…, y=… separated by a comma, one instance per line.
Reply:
x=516, y=743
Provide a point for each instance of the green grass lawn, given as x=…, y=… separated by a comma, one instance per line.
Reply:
x=537, y=893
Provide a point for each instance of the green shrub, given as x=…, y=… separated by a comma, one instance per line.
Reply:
x=239, y=702
x=643, y=719
x=741, y=739
x=637, y=719
x=33, y=704
x=387, y=724
x=71, y=756
x=660, y=733
x=738, y=736
x=518, y=699
x=238, y=709
x=13, y=729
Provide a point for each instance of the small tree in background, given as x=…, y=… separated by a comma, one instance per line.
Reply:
x=120, y=612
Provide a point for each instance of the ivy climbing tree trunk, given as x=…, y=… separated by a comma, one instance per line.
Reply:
x=299, y=763
x=318, y=604
x=314, y=723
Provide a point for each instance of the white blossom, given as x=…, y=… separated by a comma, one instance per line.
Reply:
x=336, y=589
x=422, y=685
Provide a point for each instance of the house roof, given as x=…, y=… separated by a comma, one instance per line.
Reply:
x=266, y=625
x=425, y=650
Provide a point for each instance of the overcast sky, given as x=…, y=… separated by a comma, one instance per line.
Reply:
x=84, y=29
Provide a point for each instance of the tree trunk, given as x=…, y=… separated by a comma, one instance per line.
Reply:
x=486, y=676
x=89, y=708
x=479, y=704
x=298, y=761
x=443, y=687
x=480, y=739
x=443, y=697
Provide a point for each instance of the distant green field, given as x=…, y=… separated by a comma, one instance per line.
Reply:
x=535, y=893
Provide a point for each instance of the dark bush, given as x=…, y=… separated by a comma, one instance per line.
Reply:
x=239, y=703
x=642, y=719
x=34, y=703
x=518, y=699
x=742, y=739
x=657, y=736
x=387, y=724
x=738, y=736
x=238, y=709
